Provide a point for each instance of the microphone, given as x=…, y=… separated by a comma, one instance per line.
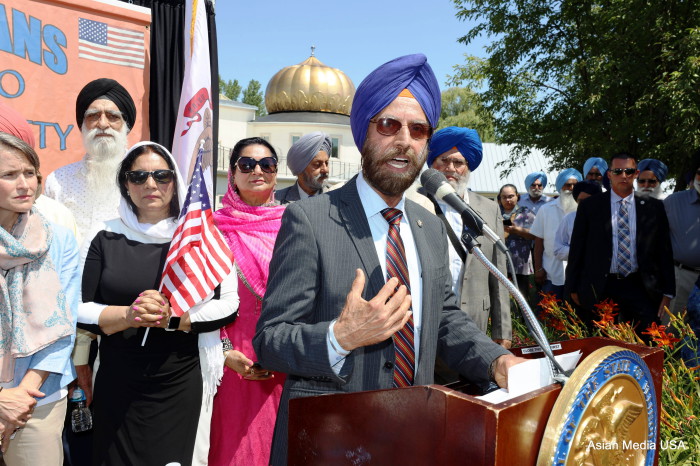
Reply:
x=437, y=185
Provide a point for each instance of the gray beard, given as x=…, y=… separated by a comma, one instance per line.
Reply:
x=460, y=186
x=567, y=201
x=102, y=159
x=534, y=194
x=316, y=183
x=649, y=192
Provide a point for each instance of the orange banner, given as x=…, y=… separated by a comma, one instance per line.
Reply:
x=50, y=49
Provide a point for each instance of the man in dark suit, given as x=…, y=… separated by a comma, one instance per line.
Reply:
x=621, y=249
x=332, y=319
x=308, y=161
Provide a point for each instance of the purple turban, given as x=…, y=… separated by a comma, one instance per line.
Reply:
x=601, y=164
x=384, y=84
x=657, y=166
x=13, y=123
x=532, y=177
x=465, y=140
x=566, y=175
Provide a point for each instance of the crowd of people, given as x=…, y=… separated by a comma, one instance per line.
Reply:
x=337, y=289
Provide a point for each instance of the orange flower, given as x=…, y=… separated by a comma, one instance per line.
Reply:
x=606, y=310
x=548, y=302
x=659, y=335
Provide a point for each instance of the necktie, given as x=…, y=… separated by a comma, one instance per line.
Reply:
x=405, y=360
x=624, y=243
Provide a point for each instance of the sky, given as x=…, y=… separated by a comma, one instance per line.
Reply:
x=257, y=39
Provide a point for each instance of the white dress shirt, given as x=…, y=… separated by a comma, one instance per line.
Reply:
x=69, y=186
x=372, y=205
x=615, y=201
x=456, y=264
x=545, y=226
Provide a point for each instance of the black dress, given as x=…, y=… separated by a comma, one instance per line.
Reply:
x=147, y=398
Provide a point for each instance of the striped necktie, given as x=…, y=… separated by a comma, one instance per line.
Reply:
x=624, y=241
x=405, y=360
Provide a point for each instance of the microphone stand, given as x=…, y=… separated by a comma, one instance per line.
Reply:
x=556, y=371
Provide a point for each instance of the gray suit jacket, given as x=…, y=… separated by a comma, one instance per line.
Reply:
x=289, y=194
x=321, y=243
x=482, y=296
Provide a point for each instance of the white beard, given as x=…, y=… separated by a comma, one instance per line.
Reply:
x=566, y=198
x=102, y=159
x=535, y=193
x=460, y=186
x=649, y=192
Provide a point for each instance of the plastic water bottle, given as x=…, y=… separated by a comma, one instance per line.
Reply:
x=81, y=417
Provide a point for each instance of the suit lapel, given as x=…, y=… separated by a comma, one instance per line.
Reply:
x=352, y=216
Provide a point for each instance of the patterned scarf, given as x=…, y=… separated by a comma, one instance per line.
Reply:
x=250, y=232
x=33, y=308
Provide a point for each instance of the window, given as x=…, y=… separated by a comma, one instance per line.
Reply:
x=335, y=148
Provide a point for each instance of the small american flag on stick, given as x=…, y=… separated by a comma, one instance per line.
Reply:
x=199, y=258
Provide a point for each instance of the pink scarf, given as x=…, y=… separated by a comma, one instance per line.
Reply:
x=250, y=232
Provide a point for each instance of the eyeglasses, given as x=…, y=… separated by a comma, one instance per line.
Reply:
x=627, y=171
x=248, y=164
x=538, y=185
x=113, y=117
x=649, y=181
x=390, y=126
x=458, y=163
x=159, y=176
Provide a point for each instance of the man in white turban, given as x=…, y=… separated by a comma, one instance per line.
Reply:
x=308, y=161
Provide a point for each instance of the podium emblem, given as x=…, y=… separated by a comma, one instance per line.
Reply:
x=605, y=414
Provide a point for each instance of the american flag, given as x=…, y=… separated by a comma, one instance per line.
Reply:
x=198, y=259
x=102, y=42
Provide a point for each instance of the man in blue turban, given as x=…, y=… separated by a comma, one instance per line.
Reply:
x=308, y=161
x=549, y=271
x=358, y=271
x=652, y=173
x=594, y=169
x=456, y=152
x=533, y=199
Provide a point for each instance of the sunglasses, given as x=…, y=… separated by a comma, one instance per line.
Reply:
x=647, y=181
x=626, y=171
x=247, y=164
x=159, y=176
x=390, y=126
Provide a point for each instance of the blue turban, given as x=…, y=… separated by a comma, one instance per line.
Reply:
x=567, y=174
x=601, y=164
x=465, y=140
x=657, y=166
x=384, y=84
x=532, y=177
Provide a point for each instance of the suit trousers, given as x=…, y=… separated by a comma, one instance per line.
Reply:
x=39, y=442
x=634, y=301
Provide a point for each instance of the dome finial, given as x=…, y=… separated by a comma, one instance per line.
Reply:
x=313, y=49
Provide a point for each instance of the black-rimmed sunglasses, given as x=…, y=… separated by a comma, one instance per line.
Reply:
x=627, y=171
x=159, y=176
x=388, y=126
x=247, y=164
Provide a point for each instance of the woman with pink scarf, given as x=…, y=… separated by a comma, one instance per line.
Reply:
x=245, y=406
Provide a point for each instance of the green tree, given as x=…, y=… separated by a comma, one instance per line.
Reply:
x=230, y=89
x=252, y=95
x=462, y=107
x=578, y=78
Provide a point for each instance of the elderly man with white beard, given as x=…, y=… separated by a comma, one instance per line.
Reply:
x=652, y=173
x=549, y=271
x=457, y=152
x=105, y=113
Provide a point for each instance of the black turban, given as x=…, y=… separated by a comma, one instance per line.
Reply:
x=110, y=89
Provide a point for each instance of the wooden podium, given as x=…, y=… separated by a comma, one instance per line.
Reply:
x=432, y=424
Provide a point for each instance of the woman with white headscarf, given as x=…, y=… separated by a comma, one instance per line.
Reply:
x=148, y=396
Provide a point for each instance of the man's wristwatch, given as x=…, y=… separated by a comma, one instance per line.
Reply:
x=173, y=323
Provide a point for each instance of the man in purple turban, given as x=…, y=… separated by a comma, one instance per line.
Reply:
x=652, y=173
x=457, y=152
x=359, y=294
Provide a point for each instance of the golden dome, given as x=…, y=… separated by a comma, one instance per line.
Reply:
x=309, y=86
